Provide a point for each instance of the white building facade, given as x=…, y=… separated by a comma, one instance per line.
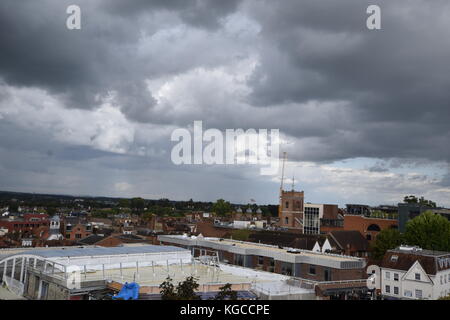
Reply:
x=413, y=273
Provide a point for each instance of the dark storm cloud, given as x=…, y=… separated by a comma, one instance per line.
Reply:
x=395, y=80
x=38, y=50
x=198, y=13
x=335, y=89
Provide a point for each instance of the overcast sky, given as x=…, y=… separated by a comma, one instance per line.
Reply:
x=365, y=115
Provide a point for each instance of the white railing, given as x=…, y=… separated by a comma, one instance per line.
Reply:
x=14, y=285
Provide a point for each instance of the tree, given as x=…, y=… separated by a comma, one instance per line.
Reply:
x=422, y=201
x=387, y=239
x=184, y=291
x=13, y=206
x=168, y=290
x=124, y=203
x=51, y=211
x=221, y=207
x=428, y=231
x=226, y=293
x=137, y=204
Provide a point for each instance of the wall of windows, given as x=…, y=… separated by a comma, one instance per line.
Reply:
x=311, y=221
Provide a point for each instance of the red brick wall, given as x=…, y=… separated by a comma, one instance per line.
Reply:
x=77, y=229
x=361, y=223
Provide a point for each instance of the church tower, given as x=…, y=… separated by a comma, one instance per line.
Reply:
x=291, y=206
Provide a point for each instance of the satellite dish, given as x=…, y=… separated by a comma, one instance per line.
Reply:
x=373, y=281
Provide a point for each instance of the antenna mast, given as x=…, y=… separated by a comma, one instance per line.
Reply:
x=293, y=181
x=282, y=171
x=281, y=185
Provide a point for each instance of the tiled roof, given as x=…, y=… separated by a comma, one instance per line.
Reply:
x=405, y=260
x=350, y=239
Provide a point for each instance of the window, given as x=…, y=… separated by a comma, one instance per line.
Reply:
x=78, y=236
x=408, y=293
x=260, y=260
x=239, y=260
x=327, y=275
x=311, y=223
x=417, y=276
x=394, y=258
x=418, y=294
x=68, y=236
x=286, y=269
x=312, y=270
x=368, y=237
x=395, y=290
x=286, y=220
x=395, y=276
x=287, y=204
x=272, y=265
x=388, y=289
x=388, y=275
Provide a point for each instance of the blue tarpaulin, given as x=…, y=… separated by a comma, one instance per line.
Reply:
x=128, y=291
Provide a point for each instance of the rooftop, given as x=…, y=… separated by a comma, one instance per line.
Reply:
x=100, y=251
x=279, y=253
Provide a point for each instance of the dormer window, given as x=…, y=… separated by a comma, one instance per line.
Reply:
x=394, y=258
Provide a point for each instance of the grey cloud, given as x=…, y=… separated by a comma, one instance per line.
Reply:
x=395, y=79
x=335, y=89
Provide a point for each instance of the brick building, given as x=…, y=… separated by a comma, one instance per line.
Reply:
x=26, y=224
x=368, y=227
x=76, y=228
x=291, y=209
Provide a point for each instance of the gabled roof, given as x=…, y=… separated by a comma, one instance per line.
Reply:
x=405, y=261
x=350, y=239
x=92, y=239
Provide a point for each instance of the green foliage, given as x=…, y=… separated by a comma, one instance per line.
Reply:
x=241, y=234
x=445, y=298
x=226, y=293
x=101, y=213
x=137, y=204
x=429, y=231
x=167, y=290
x=124, y=203
x=184, y=291
x=387, y=239
x=422, y=201
x=221, y=207
x=13, y=206
x=51, y=211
